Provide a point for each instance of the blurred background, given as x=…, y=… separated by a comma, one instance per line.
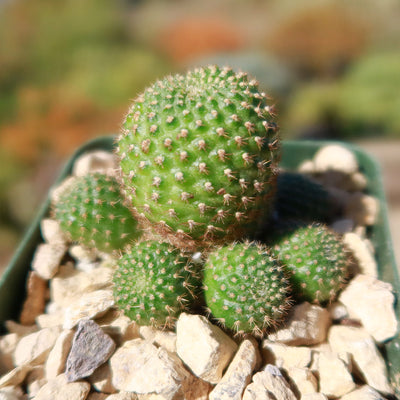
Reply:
x=69, y=69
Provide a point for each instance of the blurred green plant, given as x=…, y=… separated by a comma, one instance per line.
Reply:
x=113, y=77
x=319, y=40
x=40, y=38
x=365, y=102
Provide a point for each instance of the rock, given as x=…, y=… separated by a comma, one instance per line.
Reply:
x=334, y=378
x=203, y=347
x=55, y=319
x=284, y=356
x=35, y=380
x=363, y=393
x=55, y=363
x=344, y=356
x=100, y=161
x=239, y=372
x=335, y=158
x=314, y=396
x=18, y=329
x=338, y=311
x=304, y=380
x=33, y=349
x=96, y=396
x=362, y=254
x=35, y=300
x=269, y=384
x=11, y=393
x=15, y=377
x=101, y=379
x=365, y=355
x=47, y=259
x=8, y=344
x=357, y=182
x=362, y=208
x=69, y=284
x=307, y=324
x=343, y=225
x=306, y=167
x=91, y=347
x=160, y=338
x=139, y=366
x=118, y=326
x=52, y=232
x=372, y=302
x=196, y=389
x=90, y=305
x=122, y=396
x=59, y=388
x=81, y=253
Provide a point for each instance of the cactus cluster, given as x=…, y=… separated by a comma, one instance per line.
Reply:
x=198, y=156
x=316, y=261
x=245, y=287
x=154, y=282
x=91, y=211
x=198, y=153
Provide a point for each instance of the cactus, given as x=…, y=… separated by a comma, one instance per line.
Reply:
x=299, y=197
x=154, y=282
x=91, y=212
x=316, y=260
x=245, y=288
x=198, y=154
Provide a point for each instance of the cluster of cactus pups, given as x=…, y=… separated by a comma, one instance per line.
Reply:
x=198, y=166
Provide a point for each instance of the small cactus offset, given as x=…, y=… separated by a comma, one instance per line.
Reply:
x=299, y=197
x=198, y=154
x=316, y=260
x=245, y=288
x=154, y=282
x=91, y=212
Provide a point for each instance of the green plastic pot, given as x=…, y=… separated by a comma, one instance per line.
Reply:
x=12, y=282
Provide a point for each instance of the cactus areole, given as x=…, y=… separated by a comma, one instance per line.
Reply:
x=198, y=153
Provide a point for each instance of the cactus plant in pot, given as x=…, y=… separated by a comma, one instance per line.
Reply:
x=189, y=238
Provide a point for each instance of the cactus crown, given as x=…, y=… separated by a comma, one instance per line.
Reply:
x=154, y=282
x=198, y=152
x=245, y=288
x=91, y=212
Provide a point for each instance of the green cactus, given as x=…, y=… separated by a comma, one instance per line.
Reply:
x=299, y=197
x=245, y=288
x=91, y=212
x=316, y=260
x=198, y=154
x=154, y=283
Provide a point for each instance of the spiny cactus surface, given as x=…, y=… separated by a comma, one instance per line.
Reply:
x=91, y=212
x=154, y=282
x=198, y=154
x=245, y=288
x=316, y=260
